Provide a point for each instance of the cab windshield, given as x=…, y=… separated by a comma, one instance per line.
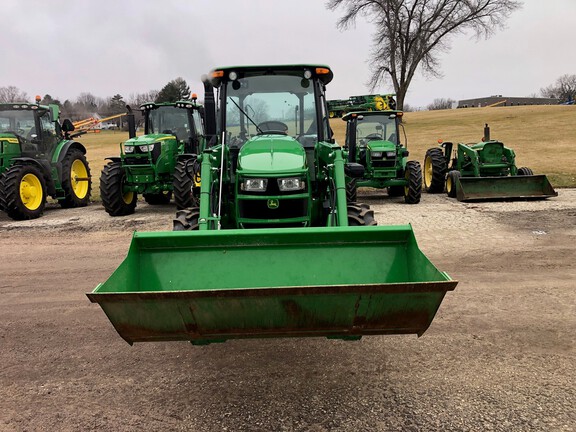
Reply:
x=18, y=122
x=277, y=104
x=169, y=120
x=376, y=127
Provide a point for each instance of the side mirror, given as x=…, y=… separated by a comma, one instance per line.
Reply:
x=67, y=126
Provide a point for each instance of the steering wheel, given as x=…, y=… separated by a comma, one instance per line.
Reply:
x=273, y=127
x=373, y=136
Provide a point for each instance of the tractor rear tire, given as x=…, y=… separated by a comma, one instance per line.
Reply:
x=360, y=214
x=76, y=192
x=23, y=192
x=451, y=180
x=159, y=198
x=187, y=219
x=115, y=201
x=525, y=171
x=351, y=191
x=413, y=175
x=183, y=185
x=434, y=170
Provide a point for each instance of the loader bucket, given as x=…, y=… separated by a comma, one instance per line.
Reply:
x=510, y=187
x=210, y=286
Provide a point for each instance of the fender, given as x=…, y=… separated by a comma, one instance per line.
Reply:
x=63, y=147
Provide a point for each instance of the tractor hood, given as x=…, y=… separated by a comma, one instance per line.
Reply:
x=381, y=145
x=272, y=154
x=148, y=139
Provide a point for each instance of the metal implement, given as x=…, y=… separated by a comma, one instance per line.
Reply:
x=520, y=187
x=341, y=282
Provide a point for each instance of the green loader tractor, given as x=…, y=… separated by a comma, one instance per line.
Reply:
x=159, y=163
x=274, y=249
x=482, y=171
x=39, y=158
x=373, y=140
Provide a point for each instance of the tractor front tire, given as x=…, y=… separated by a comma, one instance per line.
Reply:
x=76, y=180
x=23, y=192
x=413, y=175
x=434, y=170
x=360, y=214
x=351, y=191
x=159, y=198
x=187, y=219
x=523, y=171
x=114, y=199
x=451, y=181
x=183, y=185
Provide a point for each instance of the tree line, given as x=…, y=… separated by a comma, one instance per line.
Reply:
x=86, y=104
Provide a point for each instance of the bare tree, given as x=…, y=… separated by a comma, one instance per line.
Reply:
x=137, y=99
x=412, y=33
x=12, y=94
x=440, y=104
x=564, y=89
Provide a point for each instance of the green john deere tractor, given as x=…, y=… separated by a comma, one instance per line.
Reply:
x=373, y=140
x=39, y=157
x=482, y=171
x=274, y=250
x=159, y=163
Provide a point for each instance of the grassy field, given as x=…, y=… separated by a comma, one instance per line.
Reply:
x=543, y=137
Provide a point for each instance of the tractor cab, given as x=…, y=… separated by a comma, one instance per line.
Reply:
x=31, y=129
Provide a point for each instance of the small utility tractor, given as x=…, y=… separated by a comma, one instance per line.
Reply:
x=274, y=250
x=158, y=163
x=340, y=107
x=39, y=157
x=373, y=140
x=482, y=171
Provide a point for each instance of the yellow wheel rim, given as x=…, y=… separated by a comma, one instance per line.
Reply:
x=128, y=197
x=428, y=172
x=79, y=179
x=331, y=114
x=31, y=193
x=448, y=185
x=407, y=187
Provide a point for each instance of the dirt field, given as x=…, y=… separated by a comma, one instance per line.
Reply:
x=500, y=354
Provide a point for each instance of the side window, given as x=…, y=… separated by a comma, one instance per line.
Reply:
x=48, y=132
x=198, y=123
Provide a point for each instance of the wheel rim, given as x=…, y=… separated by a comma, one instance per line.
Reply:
x=427, y=172
x=449, y=184
x=79, y=178
x=407, y=186
x=31, y=193
x=127, y=197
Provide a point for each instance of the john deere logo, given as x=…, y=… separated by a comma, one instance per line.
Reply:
x=273, y=204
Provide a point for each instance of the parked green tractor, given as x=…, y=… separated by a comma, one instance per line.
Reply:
x=373, y=140
x=313, y=264
x=39, y=157
x=159, y=163
x=482, y=171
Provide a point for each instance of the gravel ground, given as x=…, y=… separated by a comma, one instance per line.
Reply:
x=499, y=356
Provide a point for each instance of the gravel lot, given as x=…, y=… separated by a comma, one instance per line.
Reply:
x=500, y=354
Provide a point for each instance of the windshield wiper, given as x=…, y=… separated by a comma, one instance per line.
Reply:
x=246, y=115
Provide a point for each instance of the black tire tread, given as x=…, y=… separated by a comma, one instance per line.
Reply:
x=187, y=219
x=351, y=191
x=111, y=191
x=360, y=214
x=70, y=199
x=182, y=186
x=413, y=193
x=439, y=169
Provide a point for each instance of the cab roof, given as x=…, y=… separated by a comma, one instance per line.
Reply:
x=349, y=115
x=322, y=72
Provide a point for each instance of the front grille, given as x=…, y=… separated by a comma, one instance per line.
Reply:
x=287, y=209
x=384, y=163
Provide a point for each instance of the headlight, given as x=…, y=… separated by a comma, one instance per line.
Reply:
x=376, y=154
x=390, y=155
x=146, y=148
x=290, y=184
x=254, y=185
x=128, y=149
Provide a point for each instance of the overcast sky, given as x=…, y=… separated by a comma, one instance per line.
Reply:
x=65, y=47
